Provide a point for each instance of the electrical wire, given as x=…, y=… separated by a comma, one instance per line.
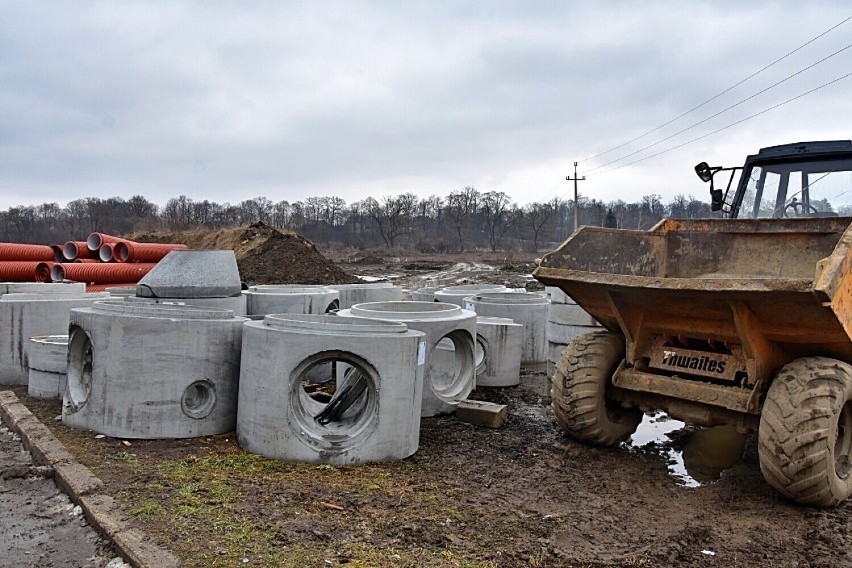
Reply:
x=723, y=111
x=764, y=111
x=716, y=96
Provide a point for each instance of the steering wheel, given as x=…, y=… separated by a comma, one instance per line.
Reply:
x=799, y=208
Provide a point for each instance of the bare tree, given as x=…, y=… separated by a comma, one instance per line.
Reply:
x=538, y=215
x=495, y=208
x=461, y=205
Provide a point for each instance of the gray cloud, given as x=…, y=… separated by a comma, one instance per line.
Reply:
x=230, y=100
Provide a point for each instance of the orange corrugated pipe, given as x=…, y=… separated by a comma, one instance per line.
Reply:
x=76, y=249
x=42, y=272
x=97, y=240
x=85, y=260
x=128, y=251
x=18, y=270
x=21, y=252
x=101, y=273
x=98, y=287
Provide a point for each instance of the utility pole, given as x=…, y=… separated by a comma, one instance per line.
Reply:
x=575, y=179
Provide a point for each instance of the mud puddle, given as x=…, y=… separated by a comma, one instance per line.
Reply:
x=694, y=457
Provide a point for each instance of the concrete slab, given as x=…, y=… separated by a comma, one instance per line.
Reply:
x=193, y=274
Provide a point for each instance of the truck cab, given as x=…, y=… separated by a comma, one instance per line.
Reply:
x=805, y=179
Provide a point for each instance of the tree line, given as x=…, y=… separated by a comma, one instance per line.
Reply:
x=462, y=220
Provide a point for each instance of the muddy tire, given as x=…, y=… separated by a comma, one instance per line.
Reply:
x=579, y=391
x=805, y=436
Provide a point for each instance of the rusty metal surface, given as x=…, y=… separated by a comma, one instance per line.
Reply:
x=771, y=289
x=713, y=365
x=728, y=397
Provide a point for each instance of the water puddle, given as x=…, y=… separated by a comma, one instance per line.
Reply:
x=702, y=459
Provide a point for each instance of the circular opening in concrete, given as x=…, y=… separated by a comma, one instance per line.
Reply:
x=334, y=305
x=80, y=363
x=451, y=366
x=334, y=400
x=198, y=399
x=480, y=355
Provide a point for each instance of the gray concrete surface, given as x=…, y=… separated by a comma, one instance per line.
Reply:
x=25, y=315
x=499, y=344
x=351, y=294
x=268, y=299
x=193, y=274
x=40, y=526
x=528, y=309
x=450, y=372
x=457, y=294
x=48, y=363
x=280, y=411
x=147, y=371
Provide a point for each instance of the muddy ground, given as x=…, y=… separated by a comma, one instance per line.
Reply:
x=523, y=495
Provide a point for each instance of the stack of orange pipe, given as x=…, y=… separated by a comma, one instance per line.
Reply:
x=86, y=261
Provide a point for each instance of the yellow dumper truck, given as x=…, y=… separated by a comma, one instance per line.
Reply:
x=734, y=320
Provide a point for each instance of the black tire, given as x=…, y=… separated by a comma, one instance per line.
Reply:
x=805, y=436
x=579, y=391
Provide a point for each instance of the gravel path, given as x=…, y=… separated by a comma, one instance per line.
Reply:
x=39, y=526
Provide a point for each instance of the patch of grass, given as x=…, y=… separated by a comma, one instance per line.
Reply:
x=149, y=509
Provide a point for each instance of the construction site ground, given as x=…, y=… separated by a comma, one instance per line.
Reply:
x=522, y=495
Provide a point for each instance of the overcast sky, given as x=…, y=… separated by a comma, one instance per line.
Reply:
x=231, y=100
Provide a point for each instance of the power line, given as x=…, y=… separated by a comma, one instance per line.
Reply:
x=764, y=111
x=700, y=122
x=714, y=97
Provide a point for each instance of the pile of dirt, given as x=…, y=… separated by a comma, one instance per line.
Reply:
x=265, y=255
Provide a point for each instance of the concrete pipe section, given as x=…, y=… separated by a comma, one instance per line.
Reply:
x=42, y=288
x=25, y=315
x=203, y=278
x=565, y=321
x=152, y=370
x=351, y=294
x=529, y=309
x=499, y=345
x=450, y=371
x=331, y=390
x=290, y=299
x=47, y=361
x=424, y=294
x=457, y=294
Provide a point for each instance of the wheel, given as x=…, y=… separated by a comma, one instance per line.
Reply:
x=579, y=391
x=805, y=435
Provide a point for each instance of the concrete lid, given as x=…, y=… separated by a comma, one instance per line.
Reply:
x=285, y=288
x=192, y=274
x=406, y=311
x=290, y=290
x=482, y=320
x=333, y=325
x=119, y=307
x=508, y=298
x=54, y=297
x=366, y=285
x=41, y=287
x=468, y=288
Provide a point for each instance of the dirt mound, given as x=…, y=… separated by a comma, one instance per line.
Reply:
x=265, y=255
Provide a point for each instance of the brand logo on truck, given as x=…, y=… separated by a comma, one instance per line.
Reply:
x=700, y=363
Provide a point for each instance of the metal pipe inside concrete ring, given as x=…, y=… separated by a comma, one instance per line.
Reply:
x=449, y=355
x=325, y=389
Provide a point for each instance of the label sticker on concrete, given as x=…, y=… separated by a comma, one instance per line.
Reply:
x=469, y=306
x=421, y=353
